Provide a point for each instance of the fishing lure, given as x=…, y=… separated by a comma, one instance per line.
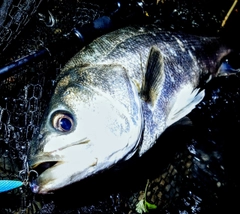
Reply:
x=24, y=175
x=6, y=185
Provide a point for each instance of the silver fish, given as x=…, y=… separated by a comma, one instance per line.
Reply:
x=115, y=98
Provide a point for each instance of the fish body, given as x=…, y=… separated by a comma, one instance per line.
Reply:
x=115, y=98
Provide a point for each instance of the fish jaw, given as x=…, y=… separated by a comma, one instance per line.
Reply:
x=65, y=170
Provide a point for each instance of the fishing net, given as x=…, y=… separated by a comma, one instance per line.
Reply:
x=187, y=176
x=13, y=16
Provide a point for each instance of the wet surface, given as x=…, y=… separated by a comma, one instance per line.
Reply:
x=195, y=173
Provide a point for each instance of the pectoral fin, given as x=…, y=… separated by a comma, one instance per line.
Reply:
x=154, y=76
x=185, y=102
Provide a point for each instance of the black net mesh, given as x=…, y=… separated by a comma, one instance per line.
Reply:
x=13, y=16
x=192, y=174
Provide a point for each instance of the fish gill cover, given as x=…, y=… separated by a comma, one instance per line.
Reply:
x=195, y=173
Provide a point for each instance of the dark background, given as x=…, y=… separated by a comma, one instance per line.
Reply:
x=198, y=173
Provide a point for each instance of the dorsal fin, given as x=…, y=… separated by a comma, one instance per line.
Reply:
x=154, y=76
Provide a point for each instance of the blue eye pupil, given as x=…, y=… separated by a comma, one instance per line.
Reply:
x=63, y=122
x=66, y=124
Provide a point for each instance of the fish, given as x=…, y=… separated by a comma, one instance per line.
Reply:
x=115, y=97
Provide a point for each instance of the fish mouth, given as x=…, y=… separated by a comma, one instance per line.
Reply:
x=46, y=176
x=41, y=167
x=42, y=163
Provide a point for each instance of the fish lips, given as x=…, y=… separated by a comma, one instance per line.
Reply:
x=41, y=165
x=54, y=171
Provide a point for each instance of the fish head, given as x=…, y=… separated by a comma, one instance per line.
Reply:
x=94, y=120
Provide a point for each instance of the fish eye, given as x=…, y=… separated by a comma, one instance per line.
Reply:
x=62, y=122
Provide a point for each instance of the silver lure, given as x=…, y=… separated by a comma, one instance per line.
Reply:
x=115, y=98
